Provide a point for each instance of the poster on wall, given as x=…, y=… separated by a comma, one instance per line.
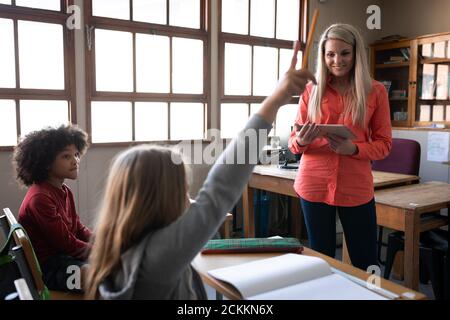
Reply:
x=438, y=146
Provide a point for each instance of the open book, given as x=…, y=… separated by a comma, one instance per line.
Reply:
x=292, y=277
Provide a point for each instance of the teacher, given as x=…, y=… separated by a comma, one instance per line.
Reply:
x=335, y=173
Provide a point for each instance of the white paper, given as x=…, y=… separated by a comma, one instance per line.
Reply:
x=264, y=275
x=439, y=50
x=442, y=82
x=292, y=277
x=438, y=146
x=332, y=287
x=425, y=113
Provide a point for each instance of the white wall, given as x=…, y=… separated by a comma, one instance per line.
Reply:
x=413, y=18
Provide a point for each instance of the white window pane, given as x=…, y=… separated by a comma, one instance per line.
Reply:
x=288, y=13
x=8, y=127
x=184, y=13
x=36, y=115
x=111, y=122
x=238, y=61
x=285, y=119
x=186, y=121
x=117, y=9
x=152, y=63
x=40, y=4
x=235, y=16
x=5, y=1
x=187, y=66
x=262, y=18
x=286, y=58
x=233, y=117
x=114, y=60
x=151, y=11
x=151, y=121
x=264, y=70
x=254, y=108
x=7, y=61
x=41, y=55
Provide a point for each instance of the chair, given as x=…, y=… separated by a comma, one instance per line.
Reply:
x=434, y=259
x=404, y=158
x=24, y=256
x=227, y=227
x=27, y=263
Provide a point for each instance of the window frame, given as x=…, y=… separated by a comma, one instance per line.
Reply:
x=252, y=41
x=92, y=95
x=11, y=11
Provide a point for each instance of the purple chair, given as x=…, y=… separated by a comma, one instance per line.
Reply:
x=405, y=159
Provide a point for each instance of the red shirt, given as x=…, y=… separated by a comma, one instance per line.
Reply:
x=48, y=215
x=324, y=176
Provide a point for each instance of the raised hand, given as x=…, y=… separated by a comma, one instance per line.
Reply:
x=293, y=81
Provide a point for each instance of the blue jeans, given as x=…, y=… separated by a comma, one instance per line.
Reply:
x=360, y=229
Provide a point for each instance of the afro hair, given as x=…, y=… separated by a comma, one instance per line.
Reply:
x=34, y=155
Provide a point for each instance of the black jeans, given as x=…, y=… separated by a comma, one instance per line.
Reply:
x=360, y=229
x=57, y=272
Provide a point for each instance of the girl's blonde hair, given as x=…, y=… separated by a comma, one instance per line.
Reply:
x=145, y=190
x=360, y=79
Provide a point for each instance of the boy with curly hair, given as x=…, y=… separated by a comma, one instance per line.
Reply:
x=43, y=160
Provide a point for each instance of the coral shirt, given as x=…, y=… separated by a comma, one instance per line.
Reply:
x=341, y=180
x=48, y=215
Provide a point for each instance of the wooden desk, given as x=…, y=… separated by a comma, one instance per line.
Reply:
x=204, y=263
x=281, y=181
x=401, y=209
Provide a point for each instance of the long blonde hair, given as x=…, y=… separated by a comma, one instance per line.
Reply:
x=145, y=191
x=360, y=79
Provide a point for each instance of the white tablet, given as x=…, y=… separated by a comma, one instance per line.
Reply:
x=337, y=129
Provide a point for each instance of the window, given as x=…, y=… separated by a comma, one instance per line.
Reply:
x=37, y=83
x=256, y=41
x=147, y=70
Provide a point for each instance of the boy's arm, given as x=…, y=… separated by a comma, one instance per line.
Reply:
x=49, y=220
x=83, y=232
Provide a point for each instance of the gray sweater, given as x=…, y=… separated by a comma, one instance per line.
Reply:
x=159, y=266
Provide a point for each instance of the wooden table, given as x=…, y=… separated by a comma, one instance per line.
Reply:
x=401, y=209
x=281, y=181
x=204, y=263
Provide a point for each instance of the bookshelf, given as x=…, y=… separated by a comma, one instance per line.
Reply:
x=391, y=65
x=433, y=81
x=419, y=83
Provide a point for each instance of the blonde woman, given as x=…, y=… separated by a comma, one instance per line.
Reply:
x=335, y=173
x=147, y=235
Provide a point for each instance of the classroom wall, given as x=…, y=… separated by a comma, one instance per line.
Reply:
x=413, y=18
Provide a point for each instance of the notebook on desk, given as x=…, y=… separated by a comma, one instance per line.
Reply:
x=252, y=245
x=292, y=277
